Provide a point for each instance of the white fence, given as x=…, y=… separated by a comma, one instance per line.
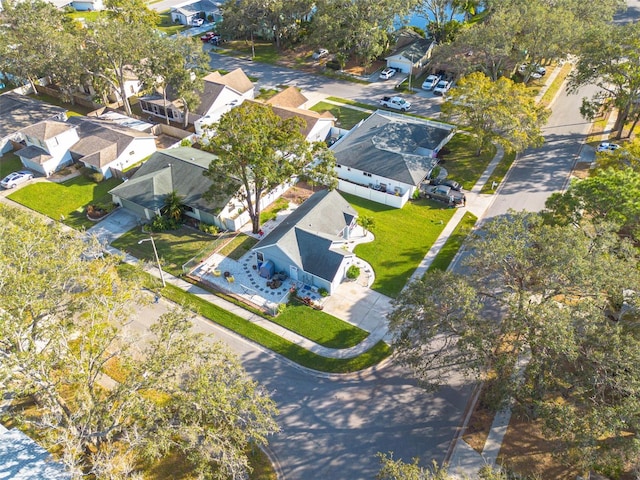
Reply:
x=396, y=201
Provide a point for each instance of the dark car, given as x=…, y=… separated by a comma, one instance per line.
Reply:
x=445, y=181
x=445, y=194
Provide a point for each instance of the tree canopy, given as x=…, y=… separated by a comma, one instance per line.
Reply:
x=256, y=151
x=503, y=112
x=105, y=398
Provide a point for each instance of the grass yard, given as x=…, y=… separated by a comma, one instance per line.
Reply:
x=66, y=200
x=169, y=27
x=265, y=52
x=346, y=117
x=175, y=248
x=366, y=106
x=319, y=327
x=461, y=162
x=499, y=173
x=454, y=242
x=237, y=247
x=271, y=212
x=402, y=239
x=9, y=162
x=72, y=110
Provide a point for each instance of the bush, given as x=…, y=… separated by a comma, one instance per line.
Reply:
x=161, y=224
x=323, y=292
x=353, y=272
x=206, y=228
x=333, y=64
x=416, y=194
x=185, y=142
x=92, y=175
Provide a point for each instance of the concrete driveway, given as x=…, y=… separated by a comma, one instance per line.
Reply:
x=118, y=223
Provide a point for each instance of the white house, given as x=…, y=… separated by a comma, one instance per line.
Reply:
x=88, y=5
x=386, y=157
x=205, y=9
x=105, y=146
x=412, y=54
x=47, y=146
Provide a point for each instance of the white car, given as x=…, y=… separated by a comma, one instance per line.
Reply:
x=538, y=71
x=430, y=82
x=607, y=147
x=16, y=178
x=387, y=73
x=197, y=22
x=320, y=53
x=442, y=87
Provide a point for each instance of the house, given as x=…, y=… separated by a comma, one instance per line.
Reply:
x=289, y=97
x=21, y=458
x=205, y=9
x=308, y=244
x=105, y=146
x=388, y=155
x=88, y=5
x=412, y=53
x=219, y=95
x=47, y=146
x=18, y=112
x=181, y=170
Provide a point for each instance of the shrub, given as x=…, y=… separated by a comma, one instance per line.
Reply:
x=206, y=228
x=416, y=194
x=353, y=272
x=323, y=292
x=281, y=308
x=161, y=224
x=92, y=175
x=185, y=142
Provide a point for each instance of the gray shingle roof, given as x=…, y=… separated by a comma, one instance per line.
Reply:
x=18, y=111
x=392, y=146
x=180, y=169
x=307, y=234
x=34, y=154
x=46, y=129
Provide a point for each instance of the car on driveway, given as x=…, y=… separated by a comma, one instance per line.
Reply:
x=442, y=87
x=320, y=53
x=443, y=193
x=197, y=22
x=538, y=71
x=430, y=82
x=387, y=73
x=209, y=36
x=607, y=147
x=16, y=178
x=447, y=182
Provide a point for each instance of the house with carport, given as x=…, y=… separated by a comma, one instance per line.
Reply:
x=386, y=156
x=309, y=245
x=186, y=12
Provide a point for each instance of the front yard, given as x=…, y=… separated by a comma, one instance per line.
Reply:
x=65, y=201
x=9, y=162
x=346, y=117
x=460, y=160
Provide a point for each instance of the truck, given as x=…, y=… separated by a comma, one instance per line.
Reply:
x=396, y=103
x=443, y=193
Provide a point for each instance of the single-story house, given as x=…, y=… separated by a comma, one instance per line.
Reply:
x=308, y=244
x=181, y=170
x=21, y=458
x=205, y=9
x=88, y=5
x=412, y=54
x=219, y=95
x=105, y=146
x=47, y=146
x=388, y=155
x=18, y=112
x=289, y=97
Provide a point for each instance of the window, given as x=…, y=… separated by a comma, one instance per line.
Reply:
x=260, y=256
x=189, y=209
x=366, y=174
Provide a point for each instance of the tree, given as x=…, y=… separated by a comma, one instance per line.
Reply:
x=610, y=59
x=367, y=223
x=259, y=151
x=502, y=111
x=563, y=305
x=398, y=470
x=63, y=329
x=173, y=206
x=31, y=34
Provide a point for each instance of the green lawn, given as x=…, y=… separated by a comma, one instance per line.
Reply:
x=402, y=239
x=454, y=242
x=265, y=52
x=237, y=247
x=319, y=327
x=65, y=200
x=167, y=26
x=175, y=248
x=9, y=162
x=461, y=162
x=72, y=110
x=346, y=117
x=498, y=174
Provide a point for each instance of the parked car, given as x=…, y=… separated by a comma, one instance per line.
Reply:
x=430, y=82
x=207, y=37
x=397, y=103
x=387, y=73
x=442, y=87
x=197, y=22
x=452, y=184
x=320, y=53
x=16, y=178
x=445, y=194
x=607, y=147
x=538, y=71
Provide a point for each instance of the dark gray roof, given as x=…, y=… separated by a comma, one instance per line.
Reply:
x=306, y=236
x=18, y=111
x=416, y=49
x=34, y=154
x=21, y=458
x=177, y=169
x=102, y=141
x=392, y=146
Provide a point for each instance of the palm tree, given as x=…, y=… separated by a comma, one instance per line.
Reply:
x=173, y=206
x=367, y=223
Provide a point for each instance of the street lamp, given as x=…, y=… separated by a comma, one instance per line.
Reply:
x=150, y=239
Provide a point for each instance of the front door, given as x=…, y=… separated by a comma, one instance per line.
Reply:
x=293, y=272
